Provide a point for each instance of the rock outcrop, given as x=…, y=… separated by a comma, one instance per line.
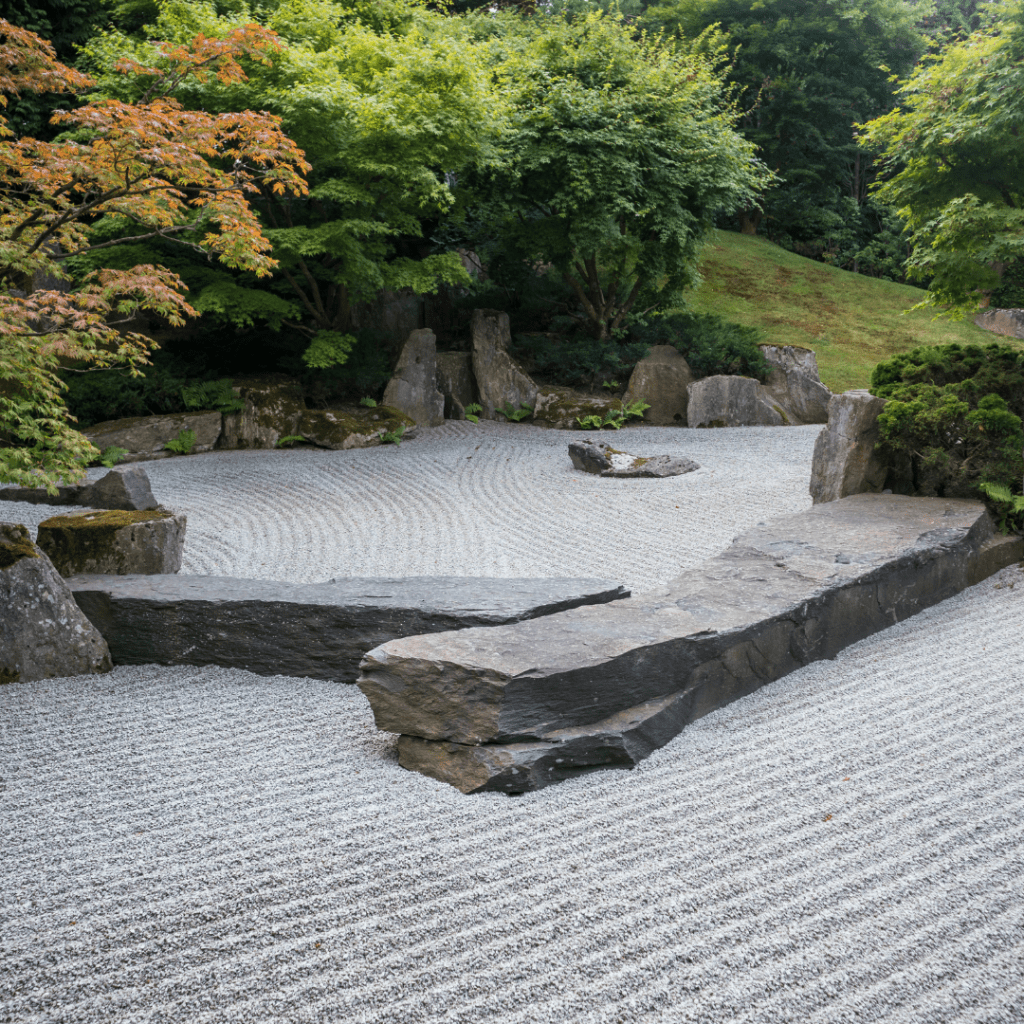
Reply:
x=144, y=437
x=514, y=708
x=661, y=379
x=43, y=633
x=456, y=383
x=729, y=401
x=845, y=461
x=499, y=379
x=794, y=385
x=357, y=428
x=124, y=487
x=604, y=460
x=318, y=630
x=114, y=542
x=413, y=388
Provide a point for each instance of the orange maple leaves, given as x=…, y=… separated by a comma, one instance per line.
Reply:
x=153, y=170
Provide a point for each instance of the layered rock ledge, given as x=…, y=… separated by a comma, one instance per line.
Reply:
x=515, y=708
x=317, y=630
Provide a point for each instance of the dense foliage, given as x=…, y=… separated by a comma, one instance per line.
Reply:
x=152, y=168
x=953, y=421
x=956, y=164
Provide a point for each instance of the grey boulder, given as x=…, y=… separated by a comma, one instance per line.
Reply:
x=1007, y=322
x=603, y=686
x=499, y=379
x=728, y=401
x=845, y=461
x=318, y=630
x=794, y=384
x=604, y=460
x=43, y=633
x=145, y=437
x=114, y=542
x=413, y=388
x=455, y=382
x=661, y=379
x=124, y=487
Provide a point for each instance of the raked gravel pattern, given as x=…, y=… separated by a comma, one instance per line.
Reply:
x=205, y=845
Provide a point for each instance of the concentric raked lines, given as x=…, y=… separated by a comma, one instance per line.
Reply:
x=206, y=846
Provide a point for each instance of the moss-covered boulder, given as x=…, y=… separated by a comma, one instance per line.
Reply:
x=116, y=542
x=272, y=408
x=562, y=408
x=43, y=633
x=358, y=427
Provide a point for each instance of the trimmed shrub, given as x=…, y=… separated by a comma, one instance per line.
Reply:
x=954, y=418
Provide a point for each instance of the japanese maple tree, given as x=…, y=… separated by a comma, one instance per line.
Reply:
x=153, y=169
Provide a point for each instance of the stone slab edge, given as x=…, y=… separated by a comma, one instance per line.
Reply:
x=713, y=668
x=320, y=631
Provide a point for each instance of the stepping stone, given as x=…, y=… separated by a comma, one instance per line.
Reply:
x=317, y=630
x=515, y=708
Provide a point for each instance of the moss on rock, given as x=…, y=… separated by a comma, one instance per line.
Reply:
x=15, y=544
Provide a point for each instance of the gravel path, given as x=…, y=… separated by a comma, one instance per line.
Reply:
x=204, y=845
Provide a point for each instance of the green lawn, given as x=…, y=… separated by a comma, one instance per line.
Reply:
x=852, y=322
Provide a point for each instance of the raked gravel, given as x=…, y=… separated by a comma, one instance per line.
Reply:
x=205, y=845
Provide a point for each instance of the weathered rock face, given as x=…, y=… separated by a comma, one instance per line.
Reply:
x=604, y=460
x=517, y=707
x=319, y=630
x=844, y=460
x=359, y=428
x=114, y=542
x=43, y=633
x=499, y=378
x=1007, y=322
x=661, y=379
x=413, y=388
x=794, y=384
x=273, y=408
x=563, y=408
x=728, y=401
x=124, y=487
x=456, y=383
x=144, y=437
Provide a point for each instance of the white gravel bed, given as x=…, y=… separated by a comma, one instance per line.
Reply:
x=205, y=845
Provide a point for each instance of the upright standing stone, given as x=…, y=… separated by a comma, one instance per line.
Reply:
x=124, y=487
x=661, y=379
x=43, y=633
x=499, y=378
x=844, y=460
x=455, y=382
x=413, y=388
x=794, y=383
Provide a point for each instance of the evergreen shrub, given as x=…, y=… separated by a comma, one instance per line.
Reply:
x=954, y=418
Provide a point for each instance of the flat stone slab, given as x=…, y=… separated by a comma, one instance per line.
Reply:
x=517, y=707
x=317, y=630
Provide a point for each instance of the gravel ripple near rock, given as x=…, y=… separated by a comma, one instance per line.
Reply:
x=204, y=845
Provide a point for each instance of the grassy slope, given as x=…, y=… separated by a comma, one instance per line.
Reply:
x=851, y=322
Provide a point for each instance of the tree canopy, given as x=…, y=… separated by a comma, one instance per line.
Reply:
x=153, y=169
x=956, y=168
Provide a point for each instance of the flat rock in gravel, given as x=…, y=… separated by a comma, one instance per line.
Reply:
x=602, y=686
x=124, y=487
x=42, y=631
x=315, y=630
x=604, y=460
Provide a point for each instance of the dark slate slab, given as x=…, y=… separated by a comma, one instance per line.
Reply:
x=318, y=630
x=517, y=707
